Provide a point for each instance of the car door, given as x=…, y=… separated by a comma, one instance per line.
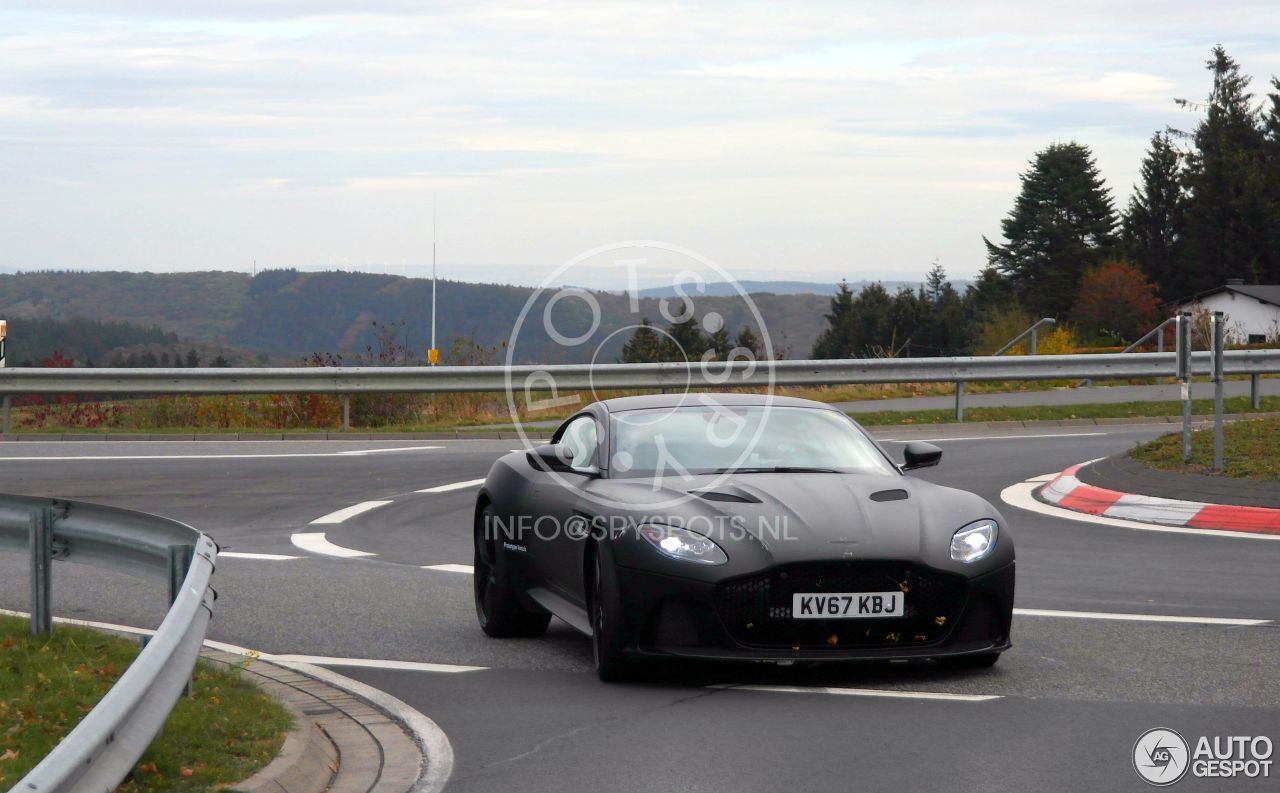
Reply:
x=560, y=529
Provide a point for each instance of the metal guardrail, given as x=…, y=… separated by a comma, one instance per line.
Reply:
x=536, y=379
x=102, y=749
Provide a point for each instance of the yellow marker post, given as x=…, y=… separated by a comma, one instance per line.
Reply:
x=433, y=356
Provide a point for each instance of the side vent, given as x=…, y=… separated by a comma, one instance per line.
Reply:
x=889, y=495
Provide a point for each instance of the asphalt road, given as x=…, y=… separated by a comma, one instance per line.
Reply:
x=1073, y=694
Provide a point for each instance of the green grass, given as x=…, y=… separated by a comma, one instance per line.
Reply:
x=1250, y=449
x=1060, y=412
x=222, y=734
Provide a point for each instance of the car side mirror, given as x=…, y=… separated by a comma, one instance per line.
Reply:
x=551, y=457
x=919, y=454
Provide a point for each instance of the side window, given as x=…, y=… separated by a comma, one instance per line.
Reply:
x=581, y=438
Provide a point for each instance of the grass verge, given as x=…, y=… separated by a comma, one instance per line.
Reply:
x=227, y=730
x=1061, y=412
x=1250, y=450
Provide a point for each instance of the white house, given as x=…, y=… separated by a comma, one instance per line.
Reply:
x=1252, y=311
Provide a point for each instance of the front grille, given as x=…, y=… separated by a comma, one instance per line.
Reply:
x=756, y=610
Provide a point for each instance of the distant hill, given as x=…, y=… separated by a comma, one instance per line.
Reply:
x=288, y=314
x=81, y=340
x=725, y=288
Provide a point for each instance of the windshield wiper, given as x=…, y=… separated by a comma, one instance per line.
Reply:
x=777, y=469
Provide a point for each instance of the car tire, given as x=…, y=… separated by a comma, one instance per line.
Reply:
x=975, y=661
x=607, y=638
x=498, y=605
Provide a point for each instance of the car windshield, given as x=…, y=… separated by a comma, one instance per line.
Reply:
x=713, y=438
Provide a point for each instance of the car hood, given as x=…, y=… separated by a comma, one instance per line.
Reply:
x=802, y=516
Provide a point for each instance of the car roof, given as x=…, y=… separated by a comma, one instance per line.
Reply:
x=691, y=399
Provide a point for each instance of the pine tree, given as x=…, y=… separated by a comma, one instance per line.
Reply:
x=747, y=340
x=1226, y=184
x=686, y=342
x=1271, y=149
x=193, y=358
x=720, y=343
x=1154, y=222
x=644, y=346
x=837, y=340
x=1062, y=223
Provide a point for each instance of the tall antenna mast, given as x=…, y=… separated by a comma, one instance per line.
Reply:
x=433, y=355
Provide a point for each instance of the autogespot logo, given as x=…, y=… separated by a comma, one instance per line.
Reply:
x=1160, y=756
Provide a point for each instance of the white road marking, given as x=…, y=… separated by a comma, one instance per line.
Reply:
x=373, y=663
x=237, y=456
x=454, y=486
x=995, y=437
x=1019, y=495
x=451, y=568
x=267, y=557
x=315, y=542
x=860, y=692
x=1103, y=615
x=384, y=451
x=350, y=512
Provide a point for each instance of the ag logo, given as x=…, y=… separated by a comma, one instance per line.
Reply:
x=1160, y=756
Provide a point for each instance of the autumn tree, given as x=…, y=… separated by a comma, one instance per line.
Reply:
x=1116, y=300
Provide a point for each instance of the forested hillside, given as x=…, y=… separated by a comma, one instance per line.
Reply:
x=291, y=314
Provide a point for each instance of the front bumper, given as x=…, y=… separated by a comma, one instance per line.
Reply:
x=747, y=618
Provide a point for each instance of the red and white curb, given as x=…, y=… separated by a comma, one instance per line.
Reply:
x=1068, y=492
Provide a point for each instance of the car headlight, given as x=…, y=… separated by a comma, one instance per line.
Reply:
x=974, y=541
x=682, y=544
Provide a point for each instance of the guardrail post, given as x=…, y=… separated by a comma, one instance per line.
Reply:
x=346, y=412
x=1184, y=375
x=180, y=557
x=959, y=400
x=1218, y=322
x=41, y=571
x=1255, y=393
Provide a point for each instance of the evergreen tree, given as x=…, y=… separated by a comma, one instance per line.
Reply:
x=720, y=344
x=193, y=358
x=1226, y=215
x=644, y=346
x=747, y=340
x=837, y=340
x=942, y=329
x=1061, y=224
x=687, y=342
x=1271, y=154
x=1154, y=221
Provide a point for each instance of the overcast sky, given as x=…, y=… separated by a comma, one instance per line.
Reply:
x=782, y=140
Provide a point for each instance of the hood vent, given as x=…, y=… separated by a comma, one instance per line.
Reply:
x=889, y=495
x=731, y=494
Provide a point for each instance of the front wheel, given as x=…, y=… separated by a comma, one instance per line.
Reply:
x=498, y=606
x=607, y=638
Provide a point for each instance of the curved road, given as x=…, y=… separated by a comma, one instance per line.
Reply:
x=1066, y=703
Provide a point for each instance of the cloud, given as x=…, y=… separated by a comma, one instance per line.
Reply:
x=869, y=137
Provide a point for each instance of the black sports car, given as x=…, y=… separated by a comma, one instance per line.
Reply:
x=738, y=526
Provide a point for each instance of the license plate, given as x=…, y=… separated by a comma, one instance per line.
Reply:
x=847, y=605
